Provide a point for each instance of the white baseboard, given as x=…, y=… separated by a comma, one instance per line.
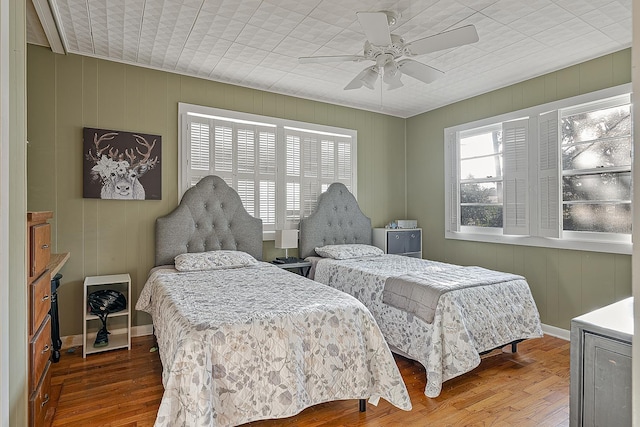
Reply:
x=556, y=332
x=140, y=331
x=71, y=341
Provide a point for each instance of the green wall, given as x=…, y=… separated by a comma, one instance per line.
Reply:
x=69, y=92
x=564, y=283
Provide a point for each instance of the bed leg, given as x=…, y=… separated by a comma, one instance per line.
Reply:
x=514, y=347
x=363, y=405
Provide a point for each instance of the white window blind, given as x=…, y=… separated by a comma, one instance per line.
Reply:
x=548, y=176
x=313, y=161
x=278, y=167
x=243, y=154
x=516, y=180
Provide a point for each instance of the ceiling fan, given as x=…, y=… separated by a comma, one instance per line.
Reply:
x=385, y=49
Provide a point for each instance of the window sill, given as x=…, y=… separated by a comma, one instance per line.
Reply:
x=623, y=248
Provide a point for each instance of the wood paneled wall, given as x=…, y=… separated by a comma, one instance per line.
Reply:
x=564, y=283
x=69, y=92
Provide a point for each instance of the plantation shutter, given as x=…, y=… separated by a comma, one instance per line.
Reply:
x=452, y=206
x=293, y=145
x=312, y=162
x=255, y=170
x=199, y=153
x=516, y=177
x=548, y=173
x=266, y=177
x=222, y=149
x=242, y=154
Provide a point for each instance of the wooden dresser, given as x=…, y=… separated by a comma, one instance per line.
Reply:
x=39, y=283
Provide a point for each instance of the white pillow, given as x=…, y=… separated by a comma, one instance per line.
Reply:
x=213, y=260
x=348, y=251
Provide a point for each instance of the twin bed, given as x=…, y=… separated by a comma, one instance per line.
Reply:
x=243, y=340
x=476, y=310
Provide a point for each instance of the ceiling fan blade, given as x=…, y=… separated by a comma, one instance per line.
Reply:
x=448, y=39
x=376, y=27
x=337, y=58
x=356, y=83
x=418, y=70
x=360, y=79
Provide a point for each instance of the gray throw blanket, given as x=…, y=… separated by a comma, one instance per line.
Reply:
x=418, y=293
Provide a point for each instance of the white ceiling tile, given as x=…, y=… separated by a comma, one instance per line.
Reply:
x=275, y=18
x=619, y=32
x=573, y=29
x=508, y=11
x=315, y=31
x=237, y=10
x=259, y=38
x=208, y=24
x=257, y=43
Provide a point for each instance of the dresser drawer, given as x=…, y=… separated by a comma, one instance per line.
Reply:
x=40, y=352
x=39, y=301
x=403, y=241
x=40, y=401
x=40, y=248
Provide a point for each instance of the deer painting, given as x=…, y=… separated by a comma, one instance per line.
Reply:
x=118, y=170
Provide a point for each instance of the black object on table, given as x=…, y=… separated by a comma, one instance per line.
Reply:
x=55, y=323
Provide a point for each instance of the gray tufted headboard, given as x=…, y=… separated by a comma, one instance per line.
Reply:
x=336, y=220
x=210, y=217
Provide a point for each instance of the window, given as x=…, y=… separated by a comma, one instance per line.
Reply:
x=481, y=177
x=596, y=168
x=278, y=167
x=555, y=175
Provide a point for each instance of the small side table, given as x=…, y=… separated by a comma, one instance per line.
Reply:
x=301, y=265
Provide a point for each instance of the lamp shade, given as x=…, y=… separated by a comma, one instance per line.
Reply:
x=286, y=239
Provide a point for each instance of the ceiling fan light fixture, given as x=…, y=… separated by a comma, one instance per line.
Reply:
x=369, y=78
x=394, y=84
x=392, y=17
x=390, y=71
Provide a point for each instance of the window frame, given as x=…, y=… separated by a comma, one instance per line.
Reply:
x=535, y=236
x=281, y=126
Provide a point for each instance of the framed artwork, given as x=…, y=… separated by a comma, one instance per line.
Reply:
x=121, y=165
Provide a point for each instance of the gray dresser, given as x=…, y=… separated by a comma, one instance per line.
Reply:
x=601, y=366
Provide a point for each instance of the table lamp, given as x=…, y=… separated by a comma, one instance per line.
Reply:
x=286, y=239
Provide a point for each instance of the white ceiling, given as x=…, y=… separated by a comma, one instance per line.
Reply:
x=256, y=43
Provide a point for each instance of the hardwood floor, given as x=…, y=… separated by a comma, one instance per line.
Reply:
x=528, y=388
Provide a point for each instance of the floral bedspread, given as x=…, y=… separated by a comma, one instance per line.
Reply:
x=466, y=321
x=259, y=342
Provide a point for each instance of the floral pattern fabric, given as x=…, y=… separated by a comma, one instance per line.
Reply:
x=213, y=260
x=466, y=321
x=347, y=251
x=259, y=342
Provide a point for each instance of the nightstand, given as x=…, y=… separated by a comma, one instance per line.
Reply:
x=399, y=241
x=301, y=265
